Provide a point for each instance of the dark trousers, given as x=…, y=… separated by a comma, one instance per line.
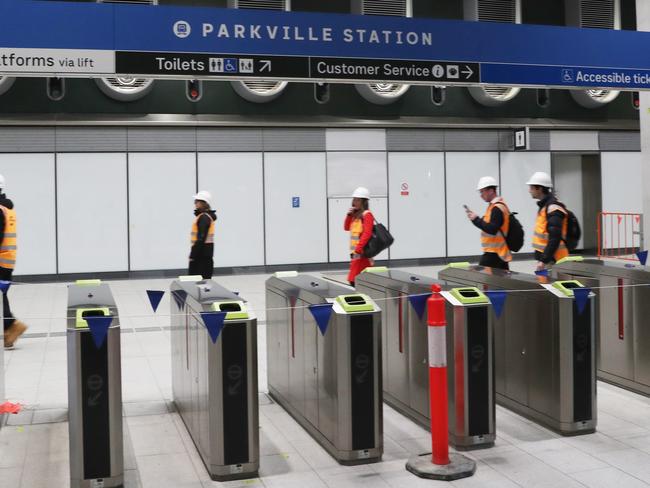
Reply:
x=5, y=275
x=492, y=260
x=202, y=266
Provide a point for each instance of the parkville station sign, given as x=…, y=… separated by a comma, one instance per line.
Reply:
x=54, y=38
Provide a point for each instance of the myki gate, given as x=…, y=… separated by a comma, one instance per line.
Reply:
x=94, y=389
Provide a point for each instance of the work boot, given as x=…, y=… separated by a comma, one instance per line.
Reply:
x=13, y=333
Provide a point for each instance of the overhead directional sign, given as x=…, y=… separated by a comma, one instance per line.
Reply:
x=294, y=67
x=88, y=39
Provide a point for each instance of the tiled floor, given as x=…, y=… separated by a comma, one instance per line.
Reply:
x=159, y=452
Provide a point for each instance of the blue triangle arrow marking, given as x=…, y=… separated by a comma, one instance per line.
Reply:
x=154, y=298
x=213, y=321
x=4, y=286
x=179, y=297
x=497, y=298
x=419, y=303
x=643, y=257
x=99, y=328
x=321, y=313
x=582, y=297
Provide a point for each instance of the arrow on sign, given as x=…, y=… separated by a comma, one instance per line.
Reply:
x=468, y=72
x=266, y=65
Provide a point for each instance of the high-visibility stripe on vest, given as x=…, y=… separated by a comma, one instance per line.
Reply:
x=8, y=246
x=209, y=239
x=540, y=235
x=356, y=229
x=497, y=243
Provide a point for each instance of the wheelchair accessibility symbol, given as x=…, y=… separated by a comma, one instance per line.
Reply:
x=567, y=76
x=231, y=65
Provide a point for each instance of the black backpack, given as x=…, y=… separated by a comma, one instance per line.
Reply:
x=573, y=231
x=515, y=237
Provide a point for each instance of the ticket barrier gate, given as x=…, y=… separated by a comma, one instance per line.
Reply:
x=329, y=382
x=94, y=389
x=404, y=354
x=544, y=347
x=214, y=385
x=622, y=318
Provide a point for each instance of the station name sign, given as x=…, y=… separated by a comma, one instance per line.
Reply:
x=89, y=39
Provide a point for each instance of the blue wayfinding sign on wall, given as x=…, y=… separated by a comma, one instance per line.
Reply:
x=82, y=39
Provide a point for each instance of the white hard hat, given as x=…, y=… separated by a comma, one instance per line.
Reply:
x=205, y=196
x=486, y=181
x=361, y=192
x=541, y=179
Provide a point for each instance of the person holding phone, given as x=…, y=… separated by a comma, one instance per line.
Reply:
x=359, y=221
x=494, y=225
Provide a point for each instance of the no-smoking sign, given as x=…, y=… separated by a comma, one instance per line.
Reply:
x=404, y=189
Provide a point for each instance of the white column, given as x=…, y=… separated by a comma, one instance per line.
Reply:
x=643, y=24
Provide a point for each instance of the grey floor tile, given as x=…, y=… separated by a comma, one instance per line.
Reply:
x=167, y=471
x=10, y=477
x=49, y=416
x=608, y=478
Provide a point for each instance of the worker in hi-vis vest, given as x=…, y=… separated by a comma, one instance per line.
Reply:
x=494, y=225
x=13, y=328
x=551, y=224
x=359, y=221
x=202, y=237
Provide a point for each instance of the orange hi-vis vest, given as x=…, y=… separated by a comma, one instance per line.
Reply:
x=356, y=229
x=497, y=243
x=8, y=246
x=209, y=239
x=540, y=236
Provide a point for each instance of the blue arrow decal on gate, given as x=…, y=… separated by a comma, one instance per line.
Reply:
x=497, y=298
x=4, y=286
x=154, y=298
x=419, y=303
x=643, y=257
x=179, y=297
x=99, y=328
x=213, y=321
x=582, y=296
x=321, y=313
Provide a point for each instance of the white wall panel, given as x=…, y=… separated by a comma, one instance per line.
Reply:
x=339, y=238
x=574, y=140
x=161, y=187
x=516, y=170
x=417, y=205
x=621, y=182
x=355, y=139
x=235, y=181
x=91, y=188
x=295, y=235
x=30, y=184
x=463, y=172
x=567, y=178
x=349, y=170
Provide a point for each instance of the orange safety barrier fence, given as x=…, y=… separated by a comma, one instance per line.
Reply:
x=620, y=235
